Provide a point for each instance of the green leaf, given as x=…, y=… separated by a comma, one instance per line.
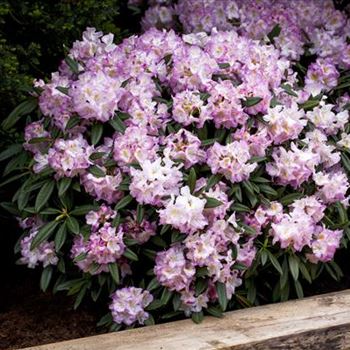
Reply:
x=96, y=171
x=214, y=311
x=294, y=266
x=288, y=89
x=114, y=271
x=10, y=207
x=60, y=237
x=43, y=234
x=154, y=284
x=14, y=178
x=268, y=190
x=342, y=212
x=257, y=159
x=117, y=124
x=24, y=108
x=299, y=289
x=305, y=272
x=97, y=155
x=11, y=151
x=165, y=228
x=176, y=301
x=251, y=101
x=73, y=225
x=116, y=220
x=155, y=304
x=105, y=320
x=342, y=86
x=83, y=209
x=212, y=203
x=274, y=262
x=275, y=32
x=80, y=257
x=309, y=104
x=192, y=178
x=45, y=278
x=80, y=297
x=221, y=291
x=263, y=257
x=64, y=185
x=197, y=317
x=248, y=187
x=212, y=181
x=72, y=64
x=129, y=254
x=123, y=202
x=150, y=320
x=290, y=198
x=37, y=140
x=140, y=212
x=72, y=122
x=259, y=179
x=96, y=133
x=209, y=142
x=44, y=195
x=240, y=207
x=63, y=89
x=346, y=161
x=200, y=286
x=166, y=296
x=237, y=192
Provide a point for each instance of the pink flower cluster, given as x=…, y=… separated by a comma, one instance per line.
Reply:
x=44, y=253
x=70, y=157
x=301, y=229
x=104, y=245
x=128, y=305
x=231, y=160
x=312, y=24
x=176, y=267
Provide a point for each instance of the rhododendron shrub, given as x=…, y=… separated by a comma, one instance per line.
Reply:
x=167, y=173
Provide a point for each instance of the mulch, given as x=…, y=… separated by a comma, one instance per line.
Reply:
x=30, y=317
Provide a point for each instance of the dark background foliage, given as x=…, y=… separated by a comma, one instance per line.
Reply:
x=35, y=33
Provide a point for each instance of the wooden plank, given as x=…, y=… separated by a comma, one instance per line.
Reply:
x=320, y=322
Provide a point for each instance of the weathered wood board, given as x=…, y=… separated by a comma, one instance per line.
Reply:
x=320, y=322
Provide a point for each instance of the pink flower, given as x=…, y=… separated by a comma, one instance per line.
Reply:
x=185, y=212
x=285, y=123
x=142, y=231
x=101, y=248
x=70, y=157
x=294, y=230
x=128, y=305
x=332, y=186
x=231, y=160
x=189, y=108
x=324, y=244
x=321, y=75
x=103, y=188
x=292, y=167
x=173, y=270
x=95, y=96
x=325, y=119
x=44, y=253
x=184, y=146
x=155, y=181
x=134, y=146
